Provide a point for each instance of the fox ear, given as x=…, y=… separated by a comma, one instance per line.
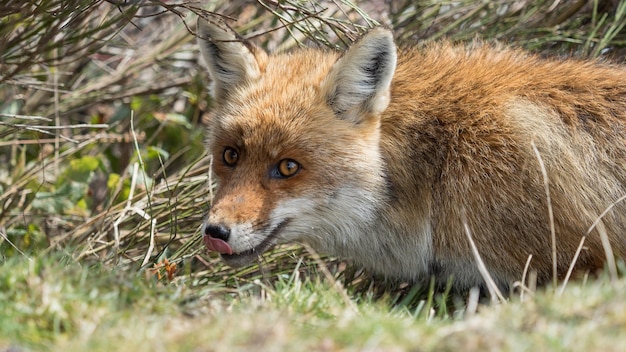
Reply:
x=359, y=83
x=230, y=59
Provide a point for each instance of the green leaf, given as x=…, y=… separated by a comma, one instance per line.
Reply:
x=81, y=170
x=154, y=152
x=178, y=119
x=62, y=199
x=112, y=182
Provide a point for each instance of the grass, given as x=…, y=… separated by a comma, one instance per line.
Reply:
x=103, y=187
x=54, y=303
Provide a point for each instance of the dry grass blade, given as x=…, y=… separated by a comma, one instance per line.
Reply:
x=546, y=184
x=492, y=287
x=525, y=286
x=605, y=243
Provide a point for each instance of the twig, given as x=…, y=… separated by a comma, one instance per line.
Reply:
x=110, y=137
x=40, y=128
x=25, y=117
x=57, y=120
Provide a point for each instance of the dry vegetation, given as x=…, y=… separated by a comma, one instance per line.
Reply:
x=101, y=143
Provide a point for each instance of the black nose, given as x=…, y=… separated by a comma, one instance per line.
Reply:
x=217, y=231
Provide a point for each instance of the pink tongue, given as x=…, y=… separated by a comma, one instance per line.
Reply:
x=217, y=245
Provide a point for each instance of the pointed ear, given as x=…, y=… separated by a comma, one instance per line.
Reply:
x=359, y=83
x=230, y=59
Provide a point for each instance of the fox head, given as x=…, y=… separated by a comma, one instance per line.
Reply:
x=295, y=143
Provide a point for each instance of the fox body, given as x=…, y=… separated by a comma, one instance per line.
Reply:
x=392, y=157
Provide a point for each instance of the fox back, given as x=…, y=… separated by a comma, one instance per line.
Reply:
x=396, y=157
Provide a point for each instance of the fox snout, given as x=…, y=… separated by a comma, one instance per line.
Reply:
x=240, y=242
x=219, y=237
x=216, y=237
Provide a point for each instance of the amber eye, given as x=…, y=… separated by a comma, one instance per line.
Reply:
x=288, y=167
x=230, y=156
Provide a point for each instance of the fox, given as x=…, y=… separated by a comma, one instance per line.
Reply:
x=403, y=158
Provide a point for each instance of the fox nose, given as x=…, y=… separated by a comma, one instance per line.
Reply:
x=218, y=231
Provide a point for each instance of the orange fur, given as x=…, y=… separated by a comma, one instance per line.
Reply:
x=390, y=173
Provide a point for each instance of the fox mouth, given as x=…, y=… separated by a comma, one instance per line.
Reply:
x=240, y=259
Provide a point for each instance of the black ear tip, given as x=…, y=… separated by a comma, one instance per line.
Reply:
x=203, y=25
x=203, y=30
x=384, y=37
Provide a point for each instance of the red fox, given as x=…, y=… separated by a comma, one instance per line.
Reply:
x=386, y=155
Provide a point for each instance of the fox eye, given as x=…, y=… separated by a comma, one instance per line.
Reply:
x=287, y=168
x=230, y=156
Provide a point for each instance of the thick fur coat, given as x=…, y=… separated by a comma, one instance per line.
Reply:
x=388, y=156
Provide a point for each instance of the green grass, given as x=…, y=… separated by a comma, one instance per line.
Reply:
x=53, y=303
